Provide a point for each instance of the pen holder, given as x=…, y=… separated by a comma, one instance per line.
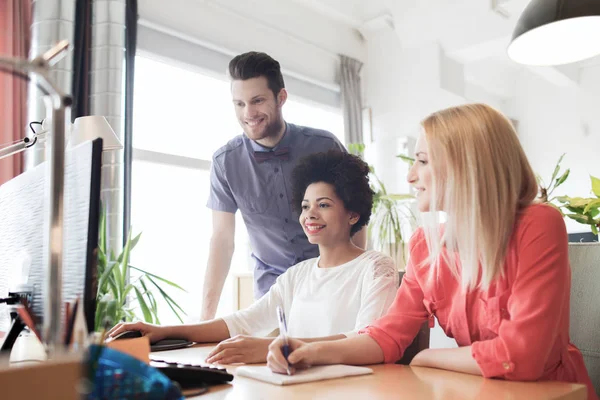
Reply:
x=115, y=375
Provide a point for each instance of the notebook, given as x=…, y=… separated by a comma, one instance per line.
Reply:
x=318, y=373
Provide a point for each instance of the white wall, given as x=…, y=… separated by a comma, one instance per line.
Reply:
x=555, y=120
x=402, y=86
x=303, y=41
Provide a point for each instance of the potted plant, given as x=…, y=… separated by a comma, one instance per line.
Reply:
x=392, y=219
x=118, y=296
x=585, y=210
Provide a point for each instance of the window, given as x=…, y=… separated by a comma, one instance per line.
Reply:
x=181, y=116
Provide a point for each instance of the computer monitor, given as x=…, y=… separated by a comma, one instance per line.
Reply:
x=24, y=225
x=582, y=237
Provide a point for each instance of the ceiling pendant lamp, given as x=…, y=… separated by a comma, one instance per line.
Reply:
x=556, y=32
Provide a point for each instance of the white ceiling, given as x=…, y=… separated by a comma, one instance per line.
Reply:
x=352, y=12
x=475, y=33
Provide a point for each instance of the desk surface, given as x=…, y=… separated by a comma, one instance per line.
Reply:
x=387, y=382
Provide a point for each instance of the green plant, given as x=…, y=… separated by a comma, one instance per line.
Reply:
x=585, y=210
x=389, y=216
x=557, y=179
x=115, y=289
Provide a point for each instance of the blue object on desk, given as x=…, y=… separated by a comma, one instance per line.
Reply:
x=116, y=375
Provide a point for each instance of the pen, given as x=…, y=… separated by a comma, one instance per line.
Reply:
x=285, y=349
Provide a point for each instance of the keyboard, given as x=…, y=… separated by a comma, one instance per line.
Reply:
x=192, y=375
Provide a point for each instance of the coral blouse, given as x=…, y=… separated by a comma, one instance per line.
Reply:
x=518, y=329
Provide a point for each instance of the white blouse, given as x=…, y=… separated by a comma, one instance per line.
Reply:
x=323, y=301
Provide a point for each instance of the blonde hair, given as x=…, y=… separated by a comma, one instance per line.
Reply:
x=484, y=178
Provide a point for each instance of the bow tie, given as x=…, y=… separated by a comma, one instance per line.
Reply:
x=282, y=153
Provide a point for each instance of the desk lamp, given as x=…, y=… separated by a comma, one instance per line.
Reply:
x=83, y=129
x=59, y=111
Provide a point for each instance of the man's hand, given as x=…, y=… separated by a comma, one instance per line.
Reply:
x=240, y=349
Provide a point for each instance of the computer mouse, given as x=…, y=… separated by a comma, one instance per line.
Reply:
x=128, y=335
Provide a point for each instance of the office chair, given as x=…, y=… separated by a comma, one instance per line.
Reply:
x=585, y=318
x=421, y=341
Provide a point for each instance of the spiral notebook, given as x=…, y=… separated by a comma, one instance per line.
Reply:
x=313, y=374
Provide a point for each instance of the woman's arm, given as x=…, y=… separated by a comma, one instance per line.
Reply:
x=526, y=339
x=457, y=359
x=379, y=288
x=358, y=350
x=205, y=332
x=248, y=349
x=324, y=338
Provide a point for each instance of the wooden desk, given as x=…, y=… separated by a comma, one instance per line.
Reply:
x=387, y=382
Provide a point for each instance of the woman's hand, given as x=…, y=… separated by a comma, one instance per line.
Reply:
x=154, y=333
x=240, y=349
x=302, y=355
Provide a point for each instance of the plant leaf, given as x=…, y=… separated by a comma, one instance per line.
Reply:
x=127, y=289
x=112, y=313
x=593, y=204
x=595, y=185
x=124, y=257
x=595, y=229
x=106, y=274
x=135, y=241
x=579, y=202
x=563, y=177
x=102, y=232
x=582, y=219
x=557, y=168
x=356, y=148
x=100, y=315
x=398, y=197
x=407, y=159
x=143, y=305
x=148, y=294
x=158, y=277
x=166, y=296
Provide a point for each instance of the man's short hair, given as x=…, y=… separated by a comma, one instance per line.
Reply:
x=254, y=64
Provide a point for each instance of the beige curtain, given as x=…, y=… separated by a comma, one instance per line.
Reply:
x=351, y=99
x=15, y=22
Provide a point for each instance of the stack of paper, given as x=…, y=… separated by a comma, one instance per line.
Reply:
x=318, y=373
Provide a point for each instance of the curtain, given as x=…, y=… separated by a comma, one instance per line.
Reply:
x=15, y=37
x=351, y=99
x=131, y=18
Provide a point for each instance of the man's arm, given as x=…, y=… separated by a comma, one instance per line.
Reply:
x=360, y=238
x=219, y=261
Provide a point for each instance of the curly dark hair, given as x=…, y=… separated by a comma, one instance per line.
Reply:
x=254, y=64
x=347, y=173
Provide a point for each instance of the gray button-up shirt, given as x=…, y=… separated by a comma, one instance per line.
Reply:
x=263, y=193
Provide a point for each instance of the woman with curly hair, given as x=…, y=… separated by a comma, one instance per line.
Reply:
x=496, y=274
x=326, y=298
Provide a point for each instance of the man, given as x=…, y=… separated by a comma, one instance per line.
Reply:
x=252, y=173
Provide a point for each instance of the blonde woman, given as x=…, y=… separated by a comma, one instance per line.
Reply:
x=496, y=274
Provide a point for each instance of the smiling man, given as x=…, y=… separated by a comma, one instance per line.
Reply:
x=252, y=173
